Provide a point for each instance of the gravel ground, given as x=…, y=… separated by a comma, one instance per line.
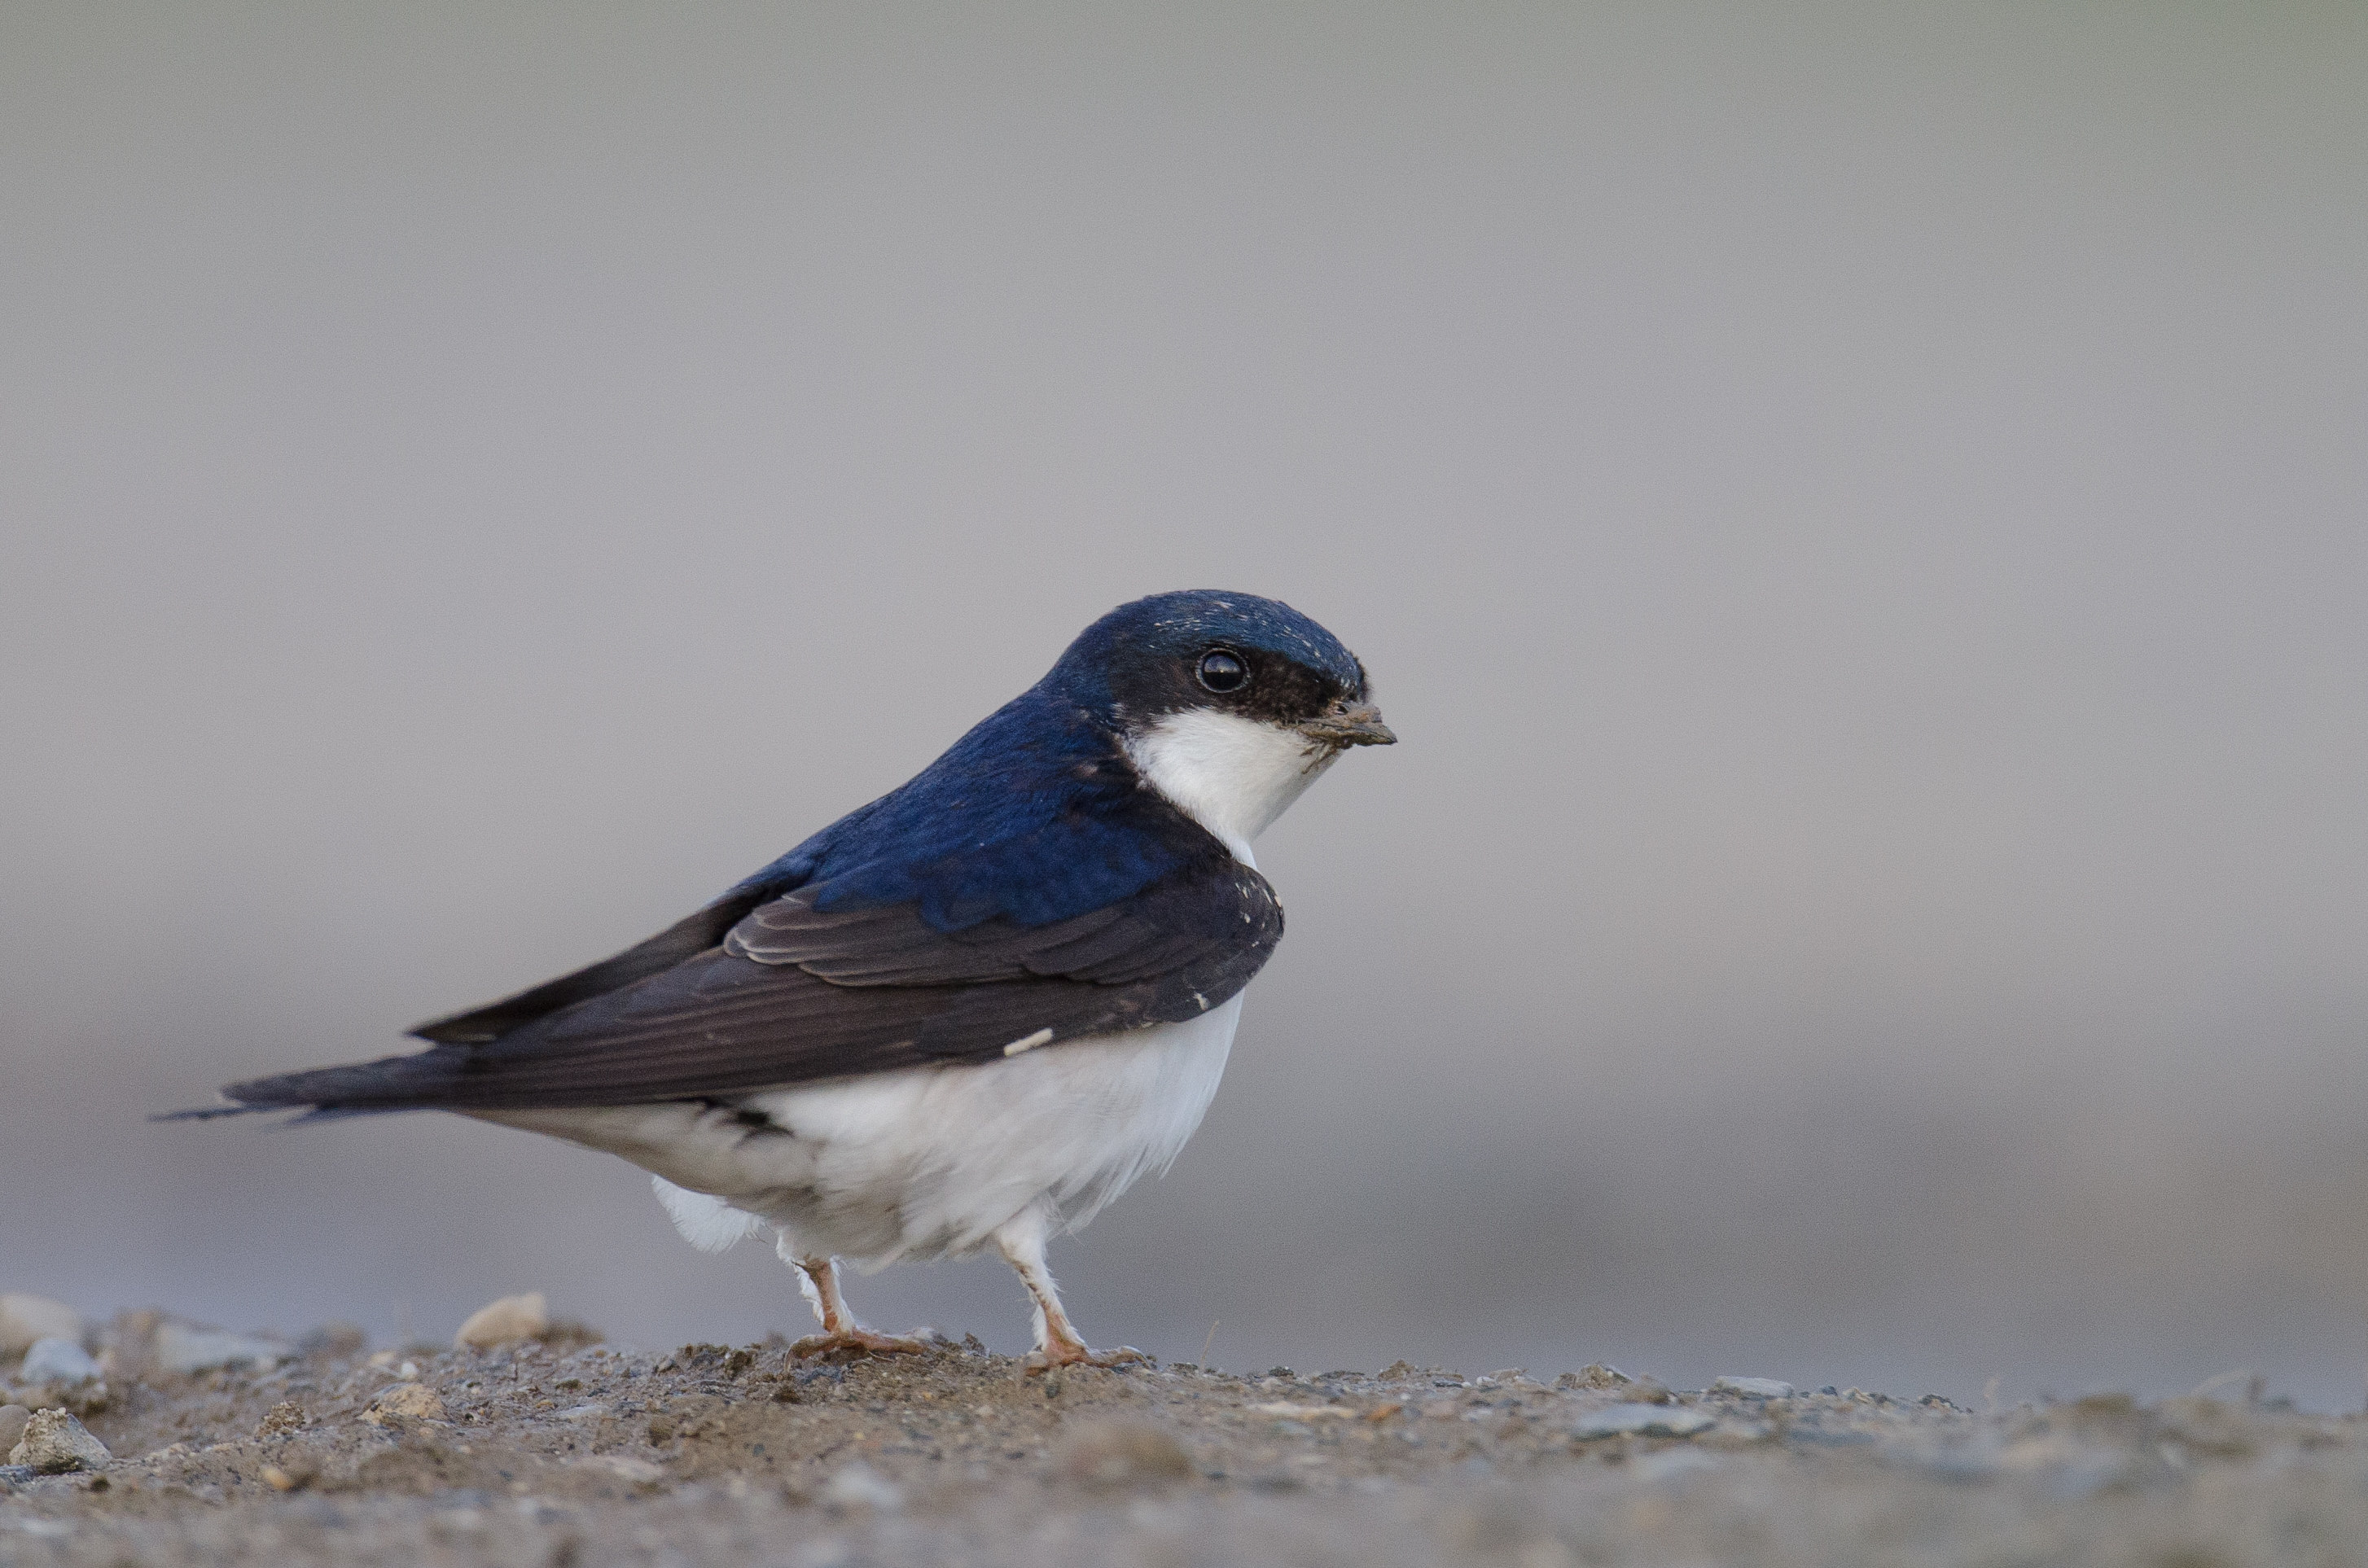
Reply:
x=567, y=1452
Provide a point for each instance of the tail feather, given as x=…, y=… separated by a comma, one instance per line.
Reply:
x=422, y=1081
x=333, y=1113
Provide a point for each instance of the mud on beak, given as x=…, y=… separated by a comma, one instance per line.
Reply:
x=1349, y=724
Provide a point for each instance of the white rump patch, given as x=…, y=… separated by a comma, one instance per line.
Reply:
x=1233, y=776
x=705, y=1221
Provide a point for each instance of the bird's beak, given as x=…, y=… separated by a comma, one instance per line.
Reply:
x=1350, y=725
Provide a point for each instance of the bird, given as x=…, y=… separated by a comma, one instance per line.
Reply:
x=968, y=1015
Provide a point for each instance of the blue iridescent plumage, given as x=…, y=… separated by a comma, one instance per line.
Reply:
x=1028, y=817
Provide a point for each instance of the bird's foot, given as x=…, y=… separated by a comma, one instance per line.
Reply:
x=851, y=1343
x=1070, y=1353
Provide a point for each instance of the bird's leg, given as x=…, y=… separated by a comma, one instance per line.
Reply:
x=840, y=1333
x=1022, y=1242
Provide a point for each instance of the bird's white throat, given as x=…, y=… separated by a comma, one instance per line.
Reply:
x=1232, y=775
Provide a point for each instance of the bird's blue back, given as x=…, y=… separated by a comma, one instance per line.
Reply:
x=1028, y=817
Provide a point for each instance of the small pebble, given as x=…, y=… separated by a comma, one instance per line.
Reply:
x=179, y=1348
x=58, y=1361
x=624, y=1467
x=504, y=1321
x=55, y=1443
x=282, y=1419
x=1123, y=1453
x=1671, y=1463
x=23, y=1319
x=414, y=1402
x=1753, y=1388
x=860, y=1486
x=1641, y=1420
x=335, y=1339
x=11, y=1427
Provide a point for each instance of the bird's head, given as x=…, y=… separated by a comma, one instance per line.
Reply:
x=1228, y=704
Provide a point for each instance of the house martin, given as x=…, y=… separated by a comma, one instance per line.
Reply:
x=969, y=1014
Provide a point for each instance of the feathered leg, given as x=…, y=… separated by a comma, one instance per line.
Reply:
x=819, y=1279
x=1022, y=1242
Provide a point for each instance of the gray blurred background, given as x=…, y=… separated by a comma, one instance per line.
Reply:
x=1857, y=512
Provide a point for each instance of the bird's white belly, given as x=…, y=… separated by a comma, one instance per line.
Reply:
x=927, y=1161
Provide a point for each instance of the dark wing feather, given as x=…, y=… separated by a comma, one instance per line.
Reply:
x=686, y=938
x=794, y=994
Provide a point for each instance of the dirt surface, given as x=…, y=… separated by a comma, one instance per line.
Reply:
x=566, y=1452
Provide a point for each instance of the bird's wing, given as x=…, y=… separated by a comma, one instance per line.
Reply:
x=795, y=993
x=686, y=938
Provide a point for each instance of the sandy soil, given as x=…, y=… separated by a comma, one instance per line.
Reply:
x=571, y=1453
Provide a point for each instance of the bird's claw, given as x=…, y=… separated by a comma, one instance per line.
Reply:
x=852, y=1342
x=1047, y=1358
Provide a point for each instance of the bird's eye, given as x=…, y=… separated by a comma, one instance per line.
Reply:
x=1222, y=670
